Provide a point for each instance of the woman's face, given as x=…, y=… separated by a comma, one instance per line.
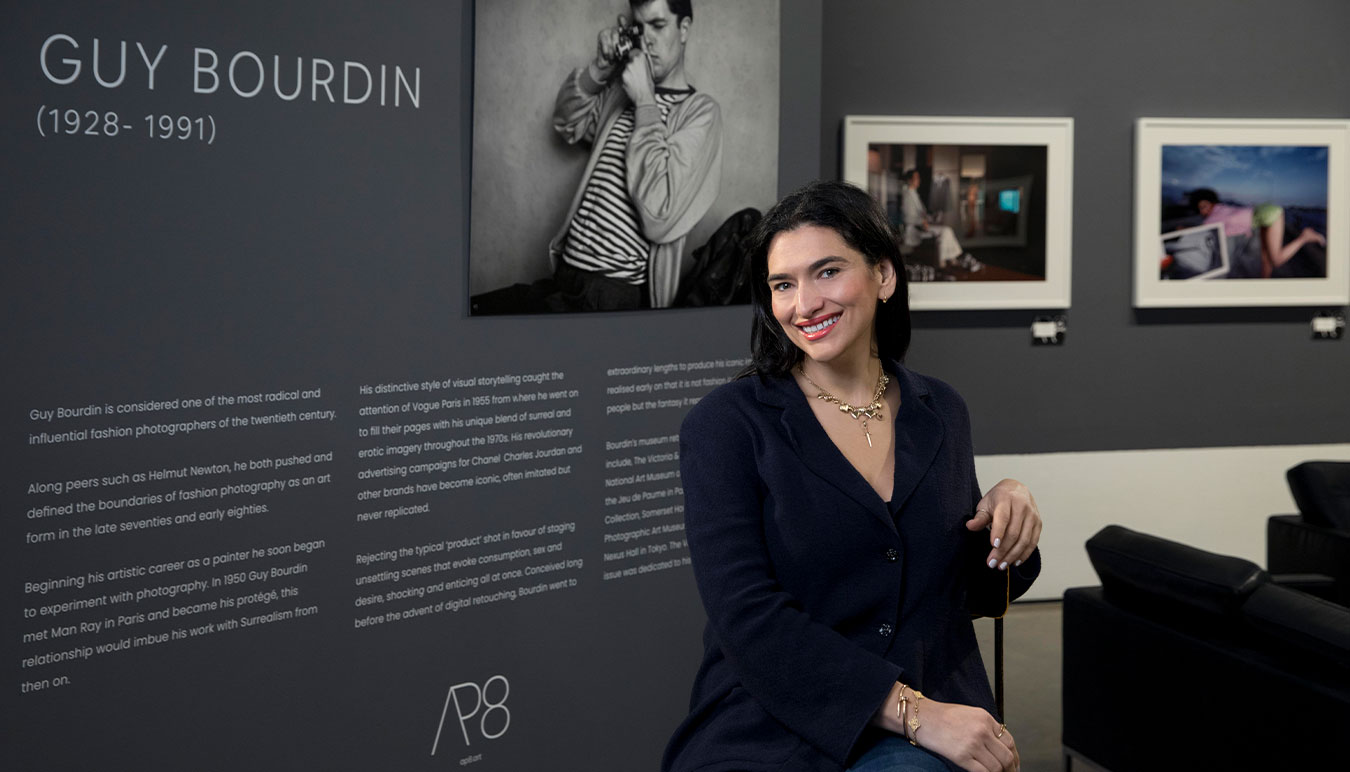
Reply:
x=824, y=293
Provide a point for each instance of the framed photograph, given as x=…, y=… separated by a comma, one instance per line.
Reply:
x=580, y=202
x=982, y=205
x=1241, y=212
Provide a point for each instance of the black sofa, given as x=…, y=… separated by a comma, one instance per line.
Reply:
x=1317, y=540
x=1187, y=660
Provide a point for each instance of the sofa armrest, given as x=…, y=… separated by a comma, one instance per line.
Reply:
x=1297, y=621
x=1295, y=546
x=1319, y=585
x=1136, y=568
x=1322, y=491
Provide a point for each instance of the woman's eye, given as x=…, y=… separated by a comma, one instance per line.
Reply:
x=828, y=272
x=779, y=287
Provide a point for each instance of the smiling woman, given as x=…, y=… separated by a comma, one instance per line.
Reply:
x=825, y=297
x=836, y=526
x=825, y=293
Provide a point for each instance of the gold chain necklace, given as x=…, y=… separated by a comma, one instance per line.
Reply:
x=872, y=411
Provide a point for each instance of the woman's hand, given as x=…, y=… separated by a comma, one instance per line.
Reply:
x=967, y=736
x=1009, y=511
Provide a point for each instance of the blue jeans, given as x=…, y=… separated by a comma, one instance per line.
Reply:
x=893, y=753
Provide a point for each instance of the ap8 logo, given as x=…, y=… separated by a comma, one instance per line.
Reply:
x=481, y=702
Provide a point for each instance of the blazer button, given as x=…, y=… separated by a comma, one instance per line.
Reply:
x=885, y=630
x=892, y=555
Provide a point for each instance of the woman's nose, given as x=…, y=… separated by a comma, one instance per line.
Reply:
x=808, y=301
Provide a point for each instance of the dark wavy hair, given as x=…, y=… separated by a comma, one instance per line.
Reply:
x=860, y=222
x=1194, y=197
x=681, y=8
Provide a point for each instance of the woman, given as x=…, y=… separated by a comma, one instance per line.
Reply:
x=830, y=501
x=1267, y=220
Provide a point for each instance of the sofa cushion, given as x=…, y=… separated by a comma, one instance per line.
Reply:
x=1302, y=621
x=1322, y=491
x=1137, y=566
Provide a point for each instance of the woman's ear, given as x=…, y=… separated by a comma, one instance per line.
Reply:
x=887, y=269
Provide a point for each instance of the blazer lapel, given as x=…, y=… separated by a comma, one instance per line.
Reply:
x=918, y=436
x=815, y=448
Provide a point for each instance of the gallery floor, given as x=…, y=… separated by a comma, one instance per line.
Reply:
x=1031, y=680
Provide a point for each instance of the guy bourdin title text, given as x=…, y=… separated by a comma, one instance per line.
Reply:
x=67, y=61
x=62, y=58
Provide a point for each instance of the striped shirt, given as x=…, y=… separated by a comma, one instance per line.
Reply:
x=605, y=235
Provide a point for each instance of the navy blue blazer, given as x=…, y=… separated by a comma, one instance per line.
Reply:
x=820, y=596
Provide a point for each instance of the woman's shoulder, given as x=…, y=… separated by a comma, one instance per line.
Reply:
x=735, y=404
x=735, y=397
x=921, y=383
x=942, y=394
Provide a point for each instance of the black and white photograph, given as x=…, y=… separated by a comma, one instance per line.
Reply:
x=1240, y=212
x=1198, y=252
x=981, y=206
x=620, y=152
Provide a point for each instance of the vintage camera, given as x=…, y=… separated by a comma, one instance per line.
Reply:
x=630, y=37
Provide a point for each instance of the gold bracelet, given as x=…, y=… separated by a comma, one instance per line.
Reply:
x=914, y=717
x=901, y=705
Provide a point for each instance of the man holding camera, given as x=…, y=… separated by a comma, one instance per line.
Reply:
x=654, y=168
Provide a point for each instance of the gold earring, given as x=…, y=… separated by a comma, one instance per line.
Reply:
x=884, y=299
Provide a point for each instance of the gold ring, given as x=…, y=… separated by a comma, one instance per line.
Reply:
x=1001, y=729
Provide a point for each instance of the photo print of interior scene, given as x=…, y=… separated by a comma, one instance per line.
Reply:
x=964, y=212
x=1243, y=212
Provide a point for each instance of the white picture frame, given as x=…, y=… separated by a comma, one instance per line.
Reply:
x=1255, y=167
x=1041, y=251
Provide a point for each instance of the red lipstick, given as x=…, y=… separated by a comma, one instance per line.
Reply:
x=819, y=327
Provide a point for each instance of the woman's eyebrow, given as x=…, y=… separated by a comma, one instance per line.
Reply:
x=816, y=266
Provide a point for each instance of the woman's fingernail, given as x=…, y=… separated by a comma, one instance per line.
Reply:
x=1018, y=563
x=992, y=562
x=996, y=541
x=1002, y=566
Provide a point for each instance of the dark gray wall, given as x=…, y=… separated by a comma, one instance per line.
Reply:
x=312, y=245
x=1124, y=378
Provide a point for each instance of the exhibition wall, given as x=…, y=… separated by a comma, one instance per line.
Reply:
x=272, y=498
x=1247, y=392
